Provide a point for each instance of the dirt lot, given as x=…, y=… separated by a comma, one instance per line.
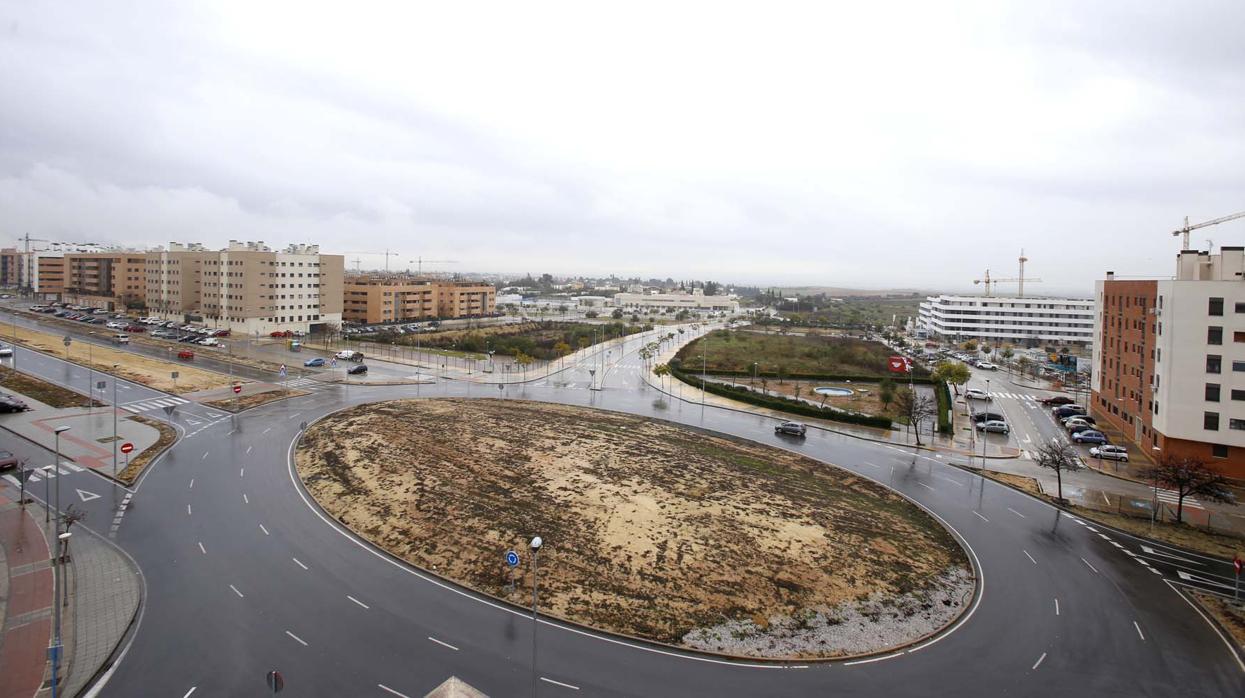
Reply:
x=650, y=529
x=153, y=373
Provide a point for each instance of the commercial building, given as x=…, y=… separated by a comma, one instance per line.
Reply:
x=246, y=287
x=1169, y=360
x=1028, y=321
x=399, y=298
x=109, y=280
x=696, y=300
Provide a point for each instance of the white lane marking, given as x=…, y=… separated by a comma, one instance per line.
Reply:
x=267, y=430
x=244, y=499
x=951, y=480
x=1104, y=496
x=1056, y=606
x=559, y=683
x=1194, y=578
x=192, y=690
x=202, y=549
x=1015, y=512
x=981, y=517
x=1139, y=633
x=1116, y=545
x=187, y=510
x=383, y=687
x=266, y=533
x=235, y=590
x=1095, y=569
x=1151, y=551
x=443, y=644
x=192, y=483
x=1038, y=662
x=360, y=602
x=13, y=481
x=871, y=465
x=242, y=472
x=298, y=563
x=874, y=659
x=922, y=484
x=205, y=455
x=297, y=639
x=248, y=449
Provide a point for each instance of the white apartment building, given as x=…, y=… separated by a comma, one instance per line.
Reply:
x=696, y=300
x=1027, y=321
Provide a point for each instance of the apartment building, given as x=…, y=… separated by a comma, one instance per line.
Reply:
x=696, y=300
x=1027, y=321
x=46, y=271
x=247, y=287
x=1169, y=359
x=10, y=266
x=397, y=298
x=110, y=280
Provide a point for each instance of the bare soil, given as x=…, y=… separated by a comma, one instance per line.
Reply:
x=650, y=529
x=136, y=465
x=246, y=402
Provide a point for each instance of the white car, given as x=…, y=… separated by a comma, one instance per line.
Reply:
x=987, y=366
x=115, y=325
x=977, y=394
x=994, y=425
x=1109, y=452
x=6, y=351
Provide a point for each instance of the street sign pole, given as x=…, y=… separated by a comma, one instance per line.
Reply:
x=1236, y=590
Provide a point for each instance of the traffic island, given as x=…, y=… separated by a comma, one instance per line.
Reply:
x=651, y=530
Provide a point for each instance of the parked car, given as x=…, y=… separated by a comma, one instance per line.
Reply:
x=135, y=328
x=357, y=370
x=281, y=333
x=1109, y=452
x=349, y=355
x=1067, y=411
x=1090, y=436
x=987, y=366
x=7, y=460
x=1055, y=400
x=1078, y=428
x=6, y=351
x=1078, y=418
x=977, y=394
x=208, y=342
x=791, y=429
x=314, y=363
x=9, y=403
x=994, y=425
x=115, y=325
x=979, y=417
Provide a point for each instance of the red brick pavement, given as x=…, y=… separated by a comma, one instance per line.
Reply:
x=23, y=648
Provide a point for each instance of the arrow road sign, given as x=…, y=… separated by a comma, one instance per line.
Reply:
x=127, y=448
x=87, y=496
x=512, y=558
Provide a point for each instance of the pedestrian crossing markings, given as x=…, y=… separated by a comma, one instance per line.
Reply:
x=49, y=472
x=145, y=405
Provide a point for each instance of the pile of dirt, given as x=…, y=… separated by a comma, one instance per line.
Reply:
x=650, y=529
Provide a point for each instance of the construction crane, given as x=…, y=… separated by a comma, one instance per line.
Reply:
x=1184, y=232
x=989, y=281
x=386, y=253
x=419, y=262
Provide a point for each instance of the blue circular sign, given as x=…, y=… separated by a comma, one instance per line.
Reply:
x=512, y=558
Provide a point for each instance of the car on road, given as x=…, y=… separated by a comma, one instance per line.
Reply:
x=120, y=338
x=1109, y=452
x=996, y=426
x=1090, y=436
x=791, y=429
x=7, y=460
x=186, y=355
x=10, y=403
x=6, y=351
x=977, y=394
x=987, y=366
x=349, y=355
x=314, y=363
x=357, y=370
x=281, y=333
x=1056, y=400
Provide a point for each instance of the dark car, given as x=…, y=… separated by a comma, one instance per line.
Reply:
x=1067, y=411
x=1090, y=436
x=791, y=428
x=357, y=370
x=7, y=460
x=1058, y=400
x=8, y=403
x=979, y=417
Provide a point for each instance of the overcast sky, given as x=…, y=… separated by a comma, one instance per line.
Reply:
x=866, y=145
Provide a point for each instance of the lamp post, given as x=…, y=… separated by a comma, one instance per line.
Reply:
x=114, y=435
x=536, y=543
x=58, y=568
x=983, y=431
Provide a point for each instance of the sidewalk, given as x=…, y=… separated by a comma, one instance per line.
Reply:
x=89, y=441
x=103, y=588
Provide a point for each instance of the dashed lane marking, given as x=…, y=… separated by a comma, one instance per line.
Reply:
x=385, y=688
x=266, y=533
x=298, y=563
x=360, y=603
x=1038, y=663
x=1026, y=552
x=559, y=683
x=235, y=590
x=1139, y=633
x=297, y=639
x=443, y=644
x=978, y=515
x=202, y=549
x=1015, y=512
x=1095, y=569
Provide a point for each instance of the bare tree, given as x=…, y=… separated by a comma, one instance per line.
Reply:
x=916, y=408
x=1190, y=476
x=1059, y=456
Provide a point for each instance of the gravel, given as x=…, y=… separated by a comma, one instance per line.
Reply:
x=867, y=626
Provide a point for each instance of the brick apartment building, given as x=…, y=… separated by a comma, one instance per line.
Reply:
x=397, y=298
x=109, y=280
x=1169, y=360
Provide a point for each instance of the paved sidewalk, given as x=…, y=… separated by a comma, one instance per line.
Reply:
x=89, y=442
x=26, y=585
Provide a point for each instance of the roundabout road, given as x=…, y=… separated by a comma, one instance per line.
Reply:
x=244, y=575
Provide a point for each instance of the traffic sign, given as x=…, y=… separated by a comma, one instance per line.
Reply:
x=237, y=389
x=67, y=340
x=512, y=558
x=1237, y=564
x=283, y=370
x=127, y=448
x=175, y=374
x=100, y=385
x=275, y=680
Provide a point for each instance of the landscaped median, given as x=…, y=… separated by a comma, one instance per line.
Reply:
x=651, y=530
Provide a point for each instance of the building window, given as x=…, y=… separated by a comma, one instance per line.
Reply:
x=1238, y=394
x=1240, y=307
x=1238, y=336
x=1214, y=363
x=1210, y=421
x=1238, y=365
x=1219, y=450
x=1212, y=392
x=1238, y=424
x=1215, y=307
x=1214, y=335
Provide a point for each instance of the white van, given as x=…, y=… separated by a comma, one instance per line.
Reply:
x=121, y=338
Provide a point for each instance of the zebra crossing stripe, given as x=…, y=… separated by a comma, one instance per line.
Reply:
x=75, y=468
x=14, y=481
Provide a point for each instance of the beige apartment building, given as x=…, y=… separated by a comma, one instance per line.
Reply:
x=109, y=280
x=397, y=298
x=247, y=287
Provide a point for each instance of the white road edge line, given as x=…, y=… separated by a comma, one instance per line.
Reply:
x=1015, y=512
x=297, y=639
x=235, y=590
x=383, y=687
x=1038, y=662
x=1026, y=552
x=361, y=603
x=443, y=644
x=298, y=563
x=1139, y=633
x=981, y=517
x=192, y=690
x=559, y=683
x=1227, y=643
x=1095, y=569
x=873, y=659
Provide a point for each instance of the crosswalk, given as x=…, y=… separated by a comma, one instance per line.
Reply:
x=1173, y=498
x=153, y=404
x=306, y=384
x=48, y=472
x=1016, y=396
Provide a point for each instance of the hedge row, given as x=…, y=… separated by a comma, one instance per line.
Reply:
x=944, y=407
x=743, y=394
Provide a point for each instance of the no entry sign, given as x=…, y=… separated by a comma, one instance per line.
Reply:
x=237, y=389
x=127, y=448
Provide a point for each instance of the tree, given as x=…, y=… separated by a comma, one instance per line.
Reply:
x=916, y=408
x=782, y=373
x=970, y=345
x=797, y=391
x=953, y=372
x=1189, y=476
x=1022, y=365
x=617, y=314
x=561, y=348
x=591, y=313
x=1058, y=455
x=886, y=392
x=661, y=371
x=1007, y=355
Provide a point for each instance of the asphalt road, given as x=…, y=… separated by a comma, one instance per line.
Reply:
x=244, y=574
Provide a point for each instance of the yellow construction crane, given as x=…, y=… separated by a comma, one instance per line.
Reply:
x=386, y=253
x=1184, y=232
x=989, y=281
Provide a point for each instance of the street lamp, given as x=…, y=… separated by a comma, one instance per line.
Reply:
x=59, y=571
x=983, y=431
x=536, y=543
